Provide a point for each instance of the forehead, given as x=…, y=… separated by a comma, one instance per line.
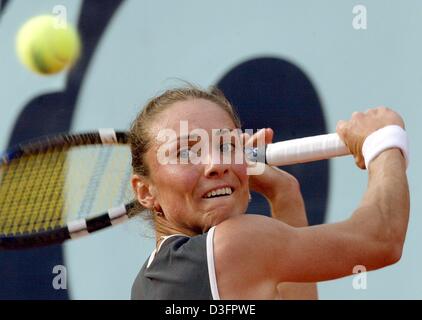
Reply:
x=199, y=113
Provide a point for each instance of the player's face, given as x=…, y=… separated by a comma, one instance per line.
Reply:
x=197, y=196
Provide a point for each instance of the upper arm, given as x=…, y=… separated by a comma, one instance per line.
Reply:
x=258, y=248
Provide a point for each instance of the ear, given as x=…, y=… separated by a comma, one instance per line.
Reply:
x=143, y=190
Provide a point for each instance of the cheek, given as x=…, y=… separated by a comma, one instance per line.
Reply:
x=240, y=171
x=177, y=179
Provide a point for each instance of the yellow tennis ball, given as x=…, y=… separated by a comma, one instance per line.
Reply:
x=46, y=46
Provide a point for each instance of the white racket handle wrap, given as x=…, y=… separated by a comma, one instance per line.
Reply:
x=301, y=150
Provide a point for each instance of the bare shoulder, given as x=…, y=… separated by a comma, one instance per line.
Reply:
x=251, y=233
x=243, y=252
x=241, y=230
x=252, y=238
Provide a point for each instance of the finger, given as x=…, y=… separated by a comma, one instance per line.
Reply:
x=253, y=140
x=360, y=162
x=244, y=137
x=341, y=124
x=269, y=135
x=341, y=129
x=265, y=134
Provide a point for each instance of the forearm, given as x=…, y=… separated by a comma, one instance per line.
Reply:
x=288, y=206
x=384, y=210
x=283, y=194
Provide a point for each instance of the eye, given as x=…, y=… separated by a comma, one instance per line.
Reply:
x=184, y=153
x=227, y=147
x=188, y=154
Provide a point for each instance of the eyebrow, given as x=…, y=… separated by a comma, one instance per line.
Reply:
x=187, y=137
x=218, y=131
x=194, y=137
x=224, y=131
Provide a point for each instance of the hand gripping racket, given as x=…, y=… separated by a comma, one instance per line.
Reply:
x=69, y=185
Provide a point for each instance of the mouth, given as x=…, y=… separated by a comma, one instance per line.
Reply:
x=218, y=192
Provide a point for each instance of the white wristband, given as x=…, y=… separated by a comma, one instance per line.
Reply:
x=385, y=138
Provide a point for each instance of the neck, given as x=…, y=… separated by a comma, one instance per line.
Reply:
x=164, y=229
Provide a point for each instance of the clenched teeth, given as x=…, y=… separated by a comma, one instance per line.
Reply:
x=218, y=192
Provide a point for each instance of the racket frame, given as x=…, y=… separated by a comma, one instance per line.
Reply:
x=77, y=228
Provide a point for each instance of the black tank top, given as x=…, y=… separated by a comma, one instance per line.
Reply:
x=181, y=269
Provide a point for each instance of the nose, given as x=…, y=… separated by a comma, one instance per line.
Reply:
x=216, y=167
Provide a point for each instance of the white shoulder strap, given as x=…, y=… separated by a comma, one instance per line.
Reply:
x=211, y=265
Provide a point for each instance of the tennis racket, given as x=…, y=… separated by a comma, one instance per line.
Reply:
x=65, y=186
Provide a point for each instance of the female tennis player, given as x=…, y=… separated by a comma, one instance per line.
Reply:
x=208, y=248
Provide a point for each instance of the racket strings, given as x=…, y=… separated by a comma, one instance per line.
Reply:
x=102, y=180
x=46, y=190
x=121, y=189
x=94, y=181
x=32, y=185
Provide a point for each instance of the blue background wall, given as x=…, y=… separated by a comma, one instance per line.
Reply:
x=298, y=66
